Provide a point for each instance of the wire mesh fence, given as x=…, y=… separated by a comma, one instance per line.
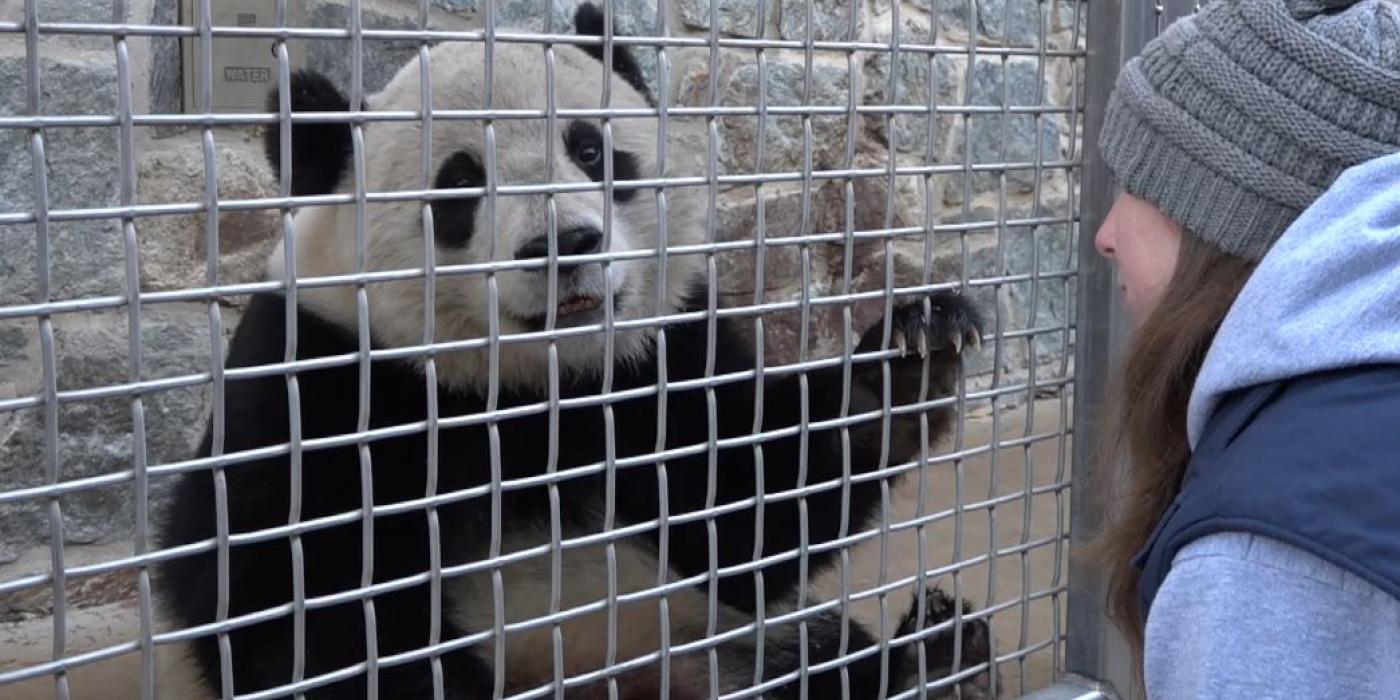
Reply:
x=659, y=349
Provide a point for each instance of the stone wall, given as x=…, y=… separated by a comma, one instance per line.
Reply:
x=968, y=239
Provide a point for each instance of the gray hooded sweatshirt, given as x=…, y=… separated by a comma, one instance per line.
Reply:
x=1242, y=615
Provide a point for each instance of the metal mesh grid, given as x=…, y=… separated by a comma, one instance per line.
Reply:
x=1005, y=462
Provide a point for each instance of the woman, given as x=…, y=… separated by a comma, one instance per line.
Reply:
x=1256, y=548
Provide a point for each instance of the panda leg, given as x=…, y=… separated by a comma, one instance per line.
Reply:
x=943, y=655
x=862, y=677
x=893, y=670
x=783, y=656
x=334, y=640
x=403, y=620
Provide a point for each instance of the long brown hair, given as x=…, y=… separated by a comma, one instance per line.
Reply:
x=1146, y=416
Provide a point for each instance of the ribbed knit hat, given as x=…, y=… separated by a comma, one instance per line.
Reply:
x=1236, y=118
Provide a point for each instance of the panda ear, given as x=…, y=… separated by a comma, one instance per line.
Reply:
x=589, y=21
x=320, y=151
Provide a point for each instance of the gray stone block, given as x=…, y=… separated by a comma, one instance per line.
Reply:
x=737, y=220
x=457, y=5
x=1054, y=247
x=913, y=205
x=534, y=15
x=736, y=17
x=79, y=83
x=1054, y=296
x=85, y=257
x=1017, y=22
x=630, y=18
x=873, y=208
x=952, y=16
x=783, y=134
x=916, y=76
x=991, y=15
x=84, y=11
x=1065, y=14
x=382, y=58
x=831, y=20
x=174, y=249
x=993, y=141
x=167, y=91
x=96, y=437
x=15, y=344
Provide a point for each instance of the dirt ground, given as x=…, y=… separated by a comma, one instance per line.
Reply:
x=1021, y=575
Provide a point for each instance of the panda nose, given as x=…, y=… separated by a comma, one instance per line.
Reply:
x=581, y=240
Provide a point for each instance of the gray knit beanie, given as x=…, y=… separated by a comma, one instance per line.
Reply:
x=1237, y=118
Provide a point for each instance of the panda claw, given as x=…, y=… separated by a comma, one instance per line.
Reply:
x=957, y=343
x=923, y=345
x=901, y=343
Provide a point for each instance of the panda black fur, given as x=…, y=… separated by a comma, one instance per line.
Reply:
x=258, y=413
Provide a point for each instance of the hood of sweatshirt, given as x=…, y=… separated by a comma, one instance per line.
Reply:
x=1325, y=297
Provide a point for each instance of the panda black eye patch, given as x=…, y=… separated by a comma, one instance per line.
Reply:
x=454, y=219
x=584, y=142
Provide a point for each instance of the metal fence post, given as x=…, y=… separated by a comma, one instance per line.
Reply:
x=1093, y=648
x=1096, y=657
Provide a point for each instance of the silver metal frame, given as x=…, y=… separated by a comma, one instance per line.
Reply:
x=1097, y=658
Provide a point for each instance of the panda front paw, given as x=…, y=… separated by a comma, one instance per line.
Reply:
x=950, y=325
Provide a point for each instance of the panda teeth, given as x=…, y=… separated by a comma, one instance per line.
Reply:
x=575, y=305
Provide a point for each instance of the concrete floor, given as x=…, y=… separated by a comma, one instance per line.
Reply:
x=1028, y=564
x=1004, y=581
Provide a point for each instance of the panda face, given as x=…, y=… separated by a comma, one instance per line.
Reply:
x=511, y=227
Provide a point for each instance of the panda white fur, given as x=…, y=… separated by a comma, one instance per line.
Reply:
x=522, y=517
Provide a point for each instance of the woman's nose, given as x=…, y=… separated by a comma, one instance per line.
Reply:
x=1104, y=241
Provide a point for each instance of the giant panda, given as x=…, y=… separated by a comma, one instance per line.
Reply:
x=455, y=449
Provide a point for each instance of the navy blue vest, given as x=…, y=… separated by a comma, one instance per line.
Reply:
x=1312, y=461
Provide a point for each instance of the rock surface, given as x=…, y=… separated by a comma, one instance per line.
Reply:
x=831, y=19
x=1005, y=138
x=736, y=17
x=174, y=249
x=167, y=93
x=921, y=79
x=96, y=437
x=783, y=135
x=85, y=258
x=382, y=58
x=1012, y=22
